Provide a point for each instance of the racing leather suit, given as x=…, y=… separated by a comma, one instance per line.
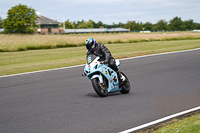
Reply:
x=104, y=54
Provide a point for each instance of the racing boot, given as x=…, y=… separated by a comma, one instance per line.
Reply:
x=121, y=79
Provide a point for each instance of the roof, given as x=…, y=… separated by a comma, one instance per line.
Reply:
x=96, y=30
x=45, y=20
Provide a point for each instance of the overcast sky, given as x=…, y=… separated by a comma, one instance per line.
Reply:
x=110, y=11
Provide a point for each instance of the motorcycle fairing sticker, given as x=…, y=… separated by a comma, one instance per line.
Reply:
x=89, y=60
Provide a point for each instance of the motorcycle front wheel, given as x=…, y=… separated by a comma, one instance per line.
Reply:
x=100, y=89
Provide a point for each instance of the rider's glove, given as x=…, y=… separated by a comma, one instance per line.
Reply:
x=106, y=61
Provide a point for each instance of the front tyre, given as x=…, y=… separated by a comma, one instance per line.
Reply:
x=126, y=85
x=100, y=89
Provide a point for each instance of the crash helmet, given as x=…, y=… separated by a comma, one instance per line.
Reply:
x=90, y=44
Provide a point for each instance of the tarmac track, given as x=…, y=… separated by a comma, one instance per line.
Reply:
x=63, y=101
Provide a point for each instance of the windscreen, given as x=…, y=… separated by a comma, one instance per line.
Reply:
x=90, y=58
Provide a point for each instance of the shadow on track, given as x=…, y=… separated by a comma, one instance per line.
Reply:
x=94, y=95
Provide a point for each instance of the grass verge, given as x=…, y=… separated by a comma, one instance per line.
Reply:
x=34, y=60
x=187, y=125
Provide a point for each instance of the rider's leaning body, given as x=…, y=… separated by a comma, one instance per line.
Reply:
x=101, y=51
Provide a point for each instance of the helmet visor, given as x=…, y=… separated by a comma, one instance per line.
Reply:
x=88, y=46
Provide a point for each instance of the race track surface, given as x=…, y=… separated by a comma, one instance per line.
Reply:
x=63, y=101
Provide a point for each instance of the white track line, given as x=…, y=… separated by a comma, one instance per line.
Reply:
x=160, y=120
x=84, y=64
x=40, y=71
x=160, y=54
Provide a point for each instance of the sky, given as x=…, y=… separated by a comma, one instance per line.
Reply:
x=110, y=11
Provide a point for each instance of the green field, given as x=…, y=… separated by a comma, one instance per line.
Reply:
x=187, y=125
x=34, y=60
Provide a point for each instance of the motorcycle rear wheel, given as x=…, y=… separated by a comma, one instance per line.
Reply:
x=102, y=92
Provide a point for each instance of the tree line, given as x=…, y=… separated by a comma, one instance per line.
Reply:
x=175, y=24
x=21, y=19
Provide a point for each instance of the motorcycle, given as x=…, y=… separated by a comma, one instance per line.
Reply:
x=104, y=79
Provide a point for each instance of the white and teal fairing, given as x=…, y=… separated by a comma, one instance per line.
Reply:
x=94, y=69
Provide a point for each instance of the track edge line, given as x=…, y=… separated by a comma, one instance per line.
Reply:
x=159, y=121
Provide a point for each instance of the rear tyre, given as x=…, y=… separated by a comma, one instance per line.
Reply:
x=100, y=89
x=126, y=85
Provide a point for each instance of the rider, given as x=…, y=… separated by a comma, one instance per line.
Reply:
x=104, y=54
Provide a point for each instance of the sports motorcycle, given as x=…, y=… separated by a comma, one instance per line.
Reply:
x=104, y=79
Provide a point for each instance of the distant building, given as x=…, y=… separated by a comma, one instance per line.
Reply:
x=96, y=30
x=47, y=26
x=145, y=31
x=196, y=30
x=1, y=29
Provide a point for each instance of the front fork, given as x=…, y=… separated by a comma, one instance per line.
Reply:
x=102, y=84
x=101, y=80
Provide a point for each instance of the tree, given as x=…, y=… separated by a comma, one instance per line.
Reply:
x=161, y=25
x=176, y=24
x=1, y=23
x=120, y=24
x=133, y=26
x=148, y=26
x=68, y=25
x=21, y=20
x=85, y=25
x=197, y=25
x=99, y=24
x=189, y=25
